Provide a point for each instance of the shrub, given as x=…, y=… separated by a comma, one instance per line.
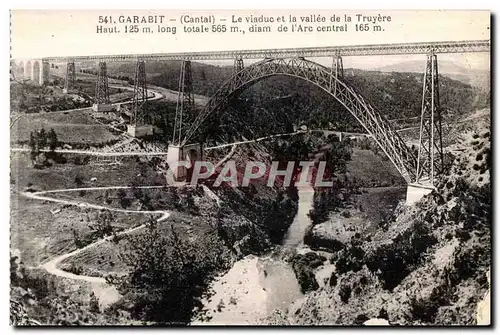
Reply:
x=345, y=293
x=168, y=273
x=346, y=214
x=333, y=279
x=393, y=262
x=303, y=266
x=350, y=259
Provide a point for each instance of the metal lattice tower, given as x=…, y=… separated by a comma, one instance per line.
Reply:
x=238, y=64
x=140, y=94
x=430, y=150
x=101, y=88
x=185, y=100
x=337, y=71
x=338, y=66
x=70, y=75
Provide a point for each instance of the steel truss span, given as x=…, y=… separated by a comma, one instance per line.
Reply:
x=350, y=50
x=375, y=124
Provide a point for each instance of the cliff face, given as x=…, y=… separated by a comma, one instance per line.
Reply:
x=252, y=219
x=428, y=266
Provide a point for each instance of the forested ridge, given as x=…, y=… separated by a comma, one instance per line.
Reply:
x=282, y=103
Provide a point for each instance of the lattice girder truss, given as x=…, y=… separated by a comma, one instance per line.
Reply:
x=374, y=123
x=347, y=50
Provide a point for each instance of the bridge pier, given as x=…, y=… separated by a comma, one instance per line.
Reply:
x=238, y=64
x=27, y=69
x=138, y=127
x=415, y=192
x=185, y=101
x=338, y=66
x=44, y=73
x=181, y=159
x=140, y=131
x=337, y=72
x=430, y=149
x=37, y=70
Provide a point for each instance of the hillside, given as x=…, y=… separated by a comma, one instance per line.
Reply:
x=428, y=266
x=394, y=94
x=474, y=77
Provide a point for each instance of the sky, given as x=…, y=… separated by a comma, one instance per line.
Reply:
x=475, y=61
x=48, y=33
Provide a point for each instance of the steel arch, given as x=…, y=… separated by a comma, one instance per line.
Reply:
x=375, y=124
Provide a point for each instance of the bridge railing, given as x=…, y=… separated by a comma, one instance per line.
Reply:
x=327, y=51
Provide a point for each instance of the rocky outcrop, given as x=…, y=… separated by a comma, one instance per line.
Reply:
x=428, y=266
x=484, y=307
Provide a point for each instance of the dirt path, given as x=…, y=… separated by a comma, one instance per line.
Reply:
x=52, y=265
x=95, y=153
x=106, y=293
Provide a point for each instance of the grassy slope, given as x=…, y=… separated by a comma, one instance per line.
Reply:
x=63, y=175
x=40, y=234
x=72, y=128
x=107, y=258
x=365, y=165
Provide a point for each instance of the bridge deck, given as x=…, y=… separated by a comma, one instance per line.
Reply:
x=350, y=50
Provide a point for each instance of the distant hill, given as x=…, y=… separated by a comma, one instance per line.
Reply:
x=473, y=77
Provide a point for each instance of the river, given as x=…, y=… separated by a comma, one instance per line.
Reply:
x=295, y=235
x=256, y=286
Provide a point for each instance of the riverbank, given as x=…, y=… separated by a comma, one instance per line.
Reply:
x=266, y=290
x=256, y=286
x=252, y=289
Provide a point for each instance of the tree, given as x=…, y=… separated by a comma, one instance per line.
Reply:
x=107, y=200
x=42, y=138
x=124, y=200
x=78, y=181
x=33, y=147
x=103, y=226
x=146, y=202
x=173, y=198
x=52, y=140
x=167, y=273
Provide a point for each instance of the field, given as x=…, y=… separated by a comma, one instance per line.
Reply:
x=43, y=230
x=74, y=128
x=61, y=176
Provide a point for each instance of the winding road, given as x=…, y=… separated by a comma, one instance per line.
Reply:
x=52, y=265
x=97, y=153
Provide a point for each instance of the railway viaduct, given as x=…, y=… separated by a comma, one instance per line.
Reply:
x=419, y=170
